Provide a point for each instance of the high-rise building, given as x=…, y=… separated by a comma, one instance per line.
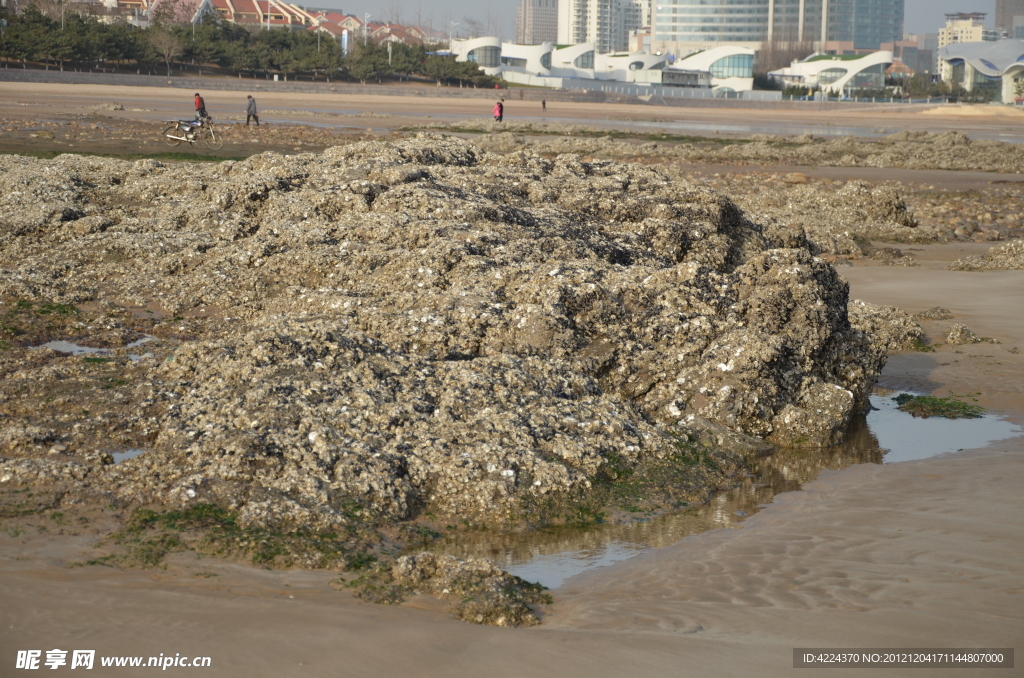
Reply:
x=968, y=27
x=1006, y=10
x=606, y=23
x=683, y=25
x=866, y=23
x=537, y=22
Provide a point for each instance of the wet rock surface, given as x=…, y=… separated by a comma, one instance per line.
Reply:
x=960, y=334
x=1007, y=257
x=908, y=150
x=935, y=313
x=385, y=332
x=476, y=590
x=424, y=326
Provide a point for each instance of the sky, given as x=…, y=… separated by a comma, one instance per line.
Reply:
x=927, y=16
x=922, y=16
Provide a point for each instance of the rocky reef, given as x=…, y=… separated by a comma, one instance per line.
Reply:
x=383, y=332
x=1005, y=257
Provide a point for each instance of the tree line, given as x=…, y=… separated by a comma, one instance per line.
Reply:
x=171, y=43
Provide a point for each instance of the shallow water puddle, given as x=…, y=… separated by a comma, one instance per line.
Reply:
x=72, y=348
x=885, y=435
x=908, y=439
x=62, y=346
x=127, y=454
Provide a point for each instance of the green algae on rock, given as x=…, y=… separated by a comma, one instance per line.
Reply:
x=929, y=406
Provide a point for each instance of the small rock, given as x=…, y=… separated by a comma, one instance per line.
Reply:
x=936, y=313
x=959, y=334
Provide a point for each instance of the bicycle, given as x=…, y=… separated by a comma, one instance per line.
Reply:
x=193, y=132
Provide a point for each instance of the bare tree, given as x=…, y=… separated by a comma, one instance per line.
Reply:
x=393, y=12
x=166, y=45
x=781, y=52
x=474, y=26
x=171, y=12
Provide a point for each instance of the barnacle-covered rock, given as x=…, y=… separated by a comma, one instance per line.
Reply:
x=425, y=326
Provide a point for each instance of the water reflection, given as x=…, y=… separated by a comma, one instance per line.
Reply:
x=130, y=453
x=552, y=555
x=61, y=346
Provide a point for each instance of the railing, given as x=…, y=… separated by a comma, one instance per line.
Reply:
x=865, y=100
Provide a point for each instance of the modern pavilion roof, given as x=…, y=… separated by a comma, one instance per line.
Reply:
x=989, y=58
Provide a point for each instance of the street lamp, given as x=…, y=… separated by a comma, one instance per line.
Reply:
x=366, y=27
x=450, y=29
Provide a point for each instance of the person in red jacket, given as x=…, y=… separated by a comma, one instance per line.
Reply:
x=200, y=108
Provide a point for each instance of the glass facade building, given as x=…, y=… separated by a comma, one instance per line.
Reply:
x=865, y=23
x=486, y=57
x=735, y=66
x=707, y=21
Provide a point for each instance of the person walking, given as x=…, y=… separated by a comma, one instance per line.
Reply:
x=544, y=105
x=200, y=108
x=250, y=112
x=499, y=112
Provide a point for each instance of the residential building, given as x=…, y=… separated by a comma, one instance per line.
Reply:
x=1006, y=10
x=606, y=23
x=968, y=27
x=537, y=22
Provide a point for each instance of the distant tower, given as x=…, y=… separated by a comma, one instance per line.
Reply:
x=536, y=21
x=606, y=23
x=1006, y=10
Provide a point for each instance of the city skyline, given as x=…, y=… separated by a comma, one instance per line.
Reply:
x=922, y=16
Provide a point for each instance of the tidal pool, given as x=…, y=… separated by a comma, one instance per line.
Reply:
x=884, y=435
x=127, y=454
x=62, y=346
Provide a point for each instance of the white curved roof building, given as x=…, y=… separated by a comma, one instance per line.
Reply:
x=575, y=61
x=547, y=66
x=533, y=59
x=837, y=74
x=624, y=66
x=485, y=52
x=970, y=63
x=731, y=67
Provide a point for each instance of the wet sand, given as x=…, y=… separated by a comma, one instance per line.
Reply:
x=36, y=99
x=918, y=554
